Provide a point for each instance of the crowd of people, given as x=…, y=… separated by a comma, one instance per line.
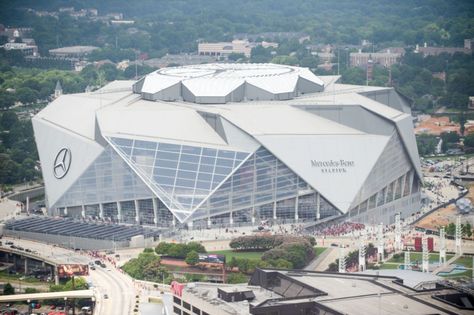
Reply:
x=339, y=229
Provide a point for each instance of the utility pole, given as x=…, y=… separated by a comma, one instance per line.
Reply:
x=398, y=233
x=380, y=243
x=362, y=251
x=442, y=247
x=458, y=236
x=342, y=260
x=425, y=255
x=407, y=263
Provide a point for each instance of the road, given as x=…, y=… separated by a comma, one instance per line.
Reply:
x=118, y=287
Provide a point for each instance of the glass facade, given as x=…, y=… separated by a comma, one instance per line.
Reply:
x=107, y=179
x=128, y=212
x=307, y=207
x=92, y=211
x=182, y=176
x=395, y=190
x=145, y=212
x=260, y=182
x=220, y=186
x=110, y=211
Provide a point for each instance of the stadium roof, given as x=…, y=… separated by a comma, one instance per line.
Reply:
x=222, y=83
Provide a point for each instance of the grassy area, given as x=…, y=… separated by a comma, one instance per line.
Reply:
x=319, y=250
x=229, y=254
x=467, y=273
x=6, y=277
x=253, y=255
x=434, y=257
x=466, y=261
x=389, y=266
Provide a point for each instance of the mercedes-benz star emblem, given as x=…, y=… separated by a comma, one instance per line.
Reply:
x=62, y=162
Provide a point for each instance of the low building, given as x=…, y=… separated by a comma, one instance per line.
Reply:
x=72, y=51
x=224, y=49
x=122, y=22
x=272, y=291
x=471, y=102
x=385, y=59
x=435, y=51
x=26, y=49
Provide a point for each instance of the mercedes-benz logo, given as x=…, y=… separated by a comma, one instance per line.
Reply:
x=62, y=162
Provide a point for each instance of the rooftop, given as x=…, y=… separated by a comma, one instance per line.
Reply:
x=223, y=83
x=73, y=50
x=348, y=293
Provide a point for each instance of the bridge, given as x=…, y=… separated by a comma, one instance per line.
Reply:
x=79, y=294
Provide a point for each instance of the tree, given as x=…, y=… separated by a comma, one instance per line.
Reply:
x=26, y=95
x=449, y=138
x=8, y=120
x=469, y=140
x=450, y=229
x=236, y=56
x=462, y=122
x=236, y=277
x=79, y=284
x=6, y=100
x=467, y=229
x=110, y=71
x=163, y=248
x=31, y=290
x=195, y=246
x=8, y=289
x=192, y=258
x=426, y=144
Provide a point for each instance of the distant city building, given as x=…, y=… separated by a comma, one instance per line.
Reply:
x=178, y=60
x=468, y=43
x=115, y=15
x=122, y=22
x=324, y=57
x=265, y=44
x=282, y=292
x=72, y=51
x=14, y=33
x=238, y=46
x=224, y=49
x=385, y=59
x=26, y=50
x=58, y=90
x=426, y=50
x=439, y=75
x=471, y=102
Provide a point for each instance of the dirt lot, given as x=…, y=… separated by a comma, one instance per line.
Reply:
x=446, y=215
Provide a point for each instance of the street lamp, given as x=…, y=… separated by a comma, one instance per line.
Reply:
x=65, y=301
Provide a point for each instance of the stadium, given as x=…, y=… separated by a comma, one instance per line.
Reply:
x=229, y=144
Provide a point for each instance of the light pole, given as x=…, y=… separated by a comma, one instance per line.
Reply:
x=65, y=305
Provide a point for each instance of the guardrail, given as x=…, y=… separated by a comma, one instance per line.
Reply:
x=439, y=207
x=48, y=295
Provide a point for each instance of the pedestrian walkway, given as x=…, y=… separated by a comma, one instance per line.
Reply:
x=322, y=262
